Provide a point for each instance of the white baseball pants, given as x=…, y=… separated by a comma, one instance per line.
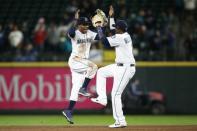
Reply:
x=121, y=75
x=80, y=68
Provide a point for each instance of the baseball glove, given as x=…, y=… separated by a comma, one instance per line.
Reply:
x=99, y=19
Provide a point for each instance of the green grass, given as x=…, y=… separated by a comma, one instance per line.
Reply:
x=55, y=120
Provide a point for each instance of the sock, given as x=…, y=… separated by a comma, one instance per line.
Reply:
x=71, y=105
x=85, y=83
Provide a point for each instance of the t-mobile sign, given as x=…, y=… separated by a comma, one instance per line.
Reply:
x=40, y=88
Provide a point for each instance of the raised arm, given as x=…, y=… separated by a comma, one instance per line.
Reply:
x=101, y=35
x=71, y=32
x=111, y=20
x=111, y=23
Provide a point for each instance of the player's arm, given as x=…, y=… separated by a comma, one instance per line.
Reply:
x=101, y=36
x=100, y=31
x=112, y=41
x=71, y=32
x=111, y=20
x=109, y=41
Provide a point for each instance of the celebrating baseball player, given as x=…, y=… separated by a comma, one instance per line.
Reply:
x=81, y=68
x=122, y=71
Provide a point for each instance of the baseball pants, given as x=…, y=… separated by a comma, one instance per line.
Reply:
x=80, y=68
x=121, y=75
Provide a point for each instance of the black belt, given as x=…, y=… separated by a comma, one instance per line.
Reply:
x=121, y=64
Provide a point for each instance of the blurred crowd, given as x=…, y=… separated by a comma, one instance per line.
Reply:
x=44, y=42
x=164, y=30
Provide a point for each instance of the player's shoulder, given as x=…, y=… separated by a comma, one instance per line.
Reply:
x=121, y=36
x=91, y=32
x=77, y=32
x=126, y=34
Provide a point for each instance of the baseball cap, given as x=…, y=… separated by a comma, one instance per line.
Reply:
x=121, y=24
x=83, y=21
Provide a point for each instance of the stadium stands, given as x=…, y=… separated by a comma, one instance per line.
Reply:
x=161, y=30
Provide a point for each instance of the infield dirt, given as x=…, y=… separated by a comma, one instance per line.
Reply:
x=98, y=128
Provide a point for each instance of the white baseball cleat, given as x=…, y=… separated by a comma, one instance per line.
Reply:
x=118, y=125
x=99, y=101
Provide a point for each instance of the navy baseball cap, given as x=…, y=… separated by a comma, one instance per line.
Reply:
x=121, y=24
x=83, y=21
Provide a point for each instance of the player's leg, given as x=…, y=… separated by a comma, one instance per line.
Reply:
x=122, y=75
x=82, y=66
x=102, y=74
x=77, y=80
x=90, y=73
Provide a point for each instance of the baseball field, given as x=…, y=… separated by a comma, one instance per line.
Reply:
x=97, y=123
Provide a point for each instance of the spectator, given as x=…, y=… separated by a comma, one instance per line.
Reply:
x=15, y=38
x=168, y=45
x=65, y=44
x=190, y=4
x=7, y=29
x=28, y=54
x=53, y=37
x=140, y=96
x=191, y=47
x=155, y=45
x=40, y=34
x=135, y=88
x=26, y=31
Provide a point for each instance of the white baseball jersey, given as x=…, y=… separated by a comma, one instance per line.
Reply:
x=80, y=66
x=121, y=73
x=81, y=43
x=124, y=48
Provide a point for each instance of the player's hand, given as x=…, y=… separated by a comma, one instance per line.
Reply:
x=77, y=14
x=111, y=11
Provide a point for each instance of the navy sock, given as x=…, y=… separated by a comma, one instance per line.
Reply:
x=71, y=105
x=85, y=83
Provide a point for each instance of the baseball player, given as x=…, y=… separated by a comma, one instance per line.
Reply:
x=122, y=70
x=81, y=68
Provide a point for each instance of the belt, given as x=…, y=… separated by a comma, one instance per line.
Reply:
x=121, y=64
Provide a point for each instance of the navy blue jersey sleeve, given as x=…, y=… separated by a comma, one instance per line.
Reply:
x=105, y=42
x=97, y=37
x=101, y=36
x=71, y=32
x=100, y=32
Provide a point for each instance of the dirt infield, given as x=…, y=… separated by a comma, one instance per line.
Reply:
x=97, y=128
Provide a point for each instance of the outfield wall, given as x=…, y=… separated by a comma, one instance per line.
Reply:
x=39, y=86
x=178, y=81
x=46, y=86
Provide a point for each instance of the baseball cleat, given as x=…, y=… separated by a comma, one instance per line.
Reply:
x=83, y=92
x=117, y=125
x=68, y=116
x=99, y=101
